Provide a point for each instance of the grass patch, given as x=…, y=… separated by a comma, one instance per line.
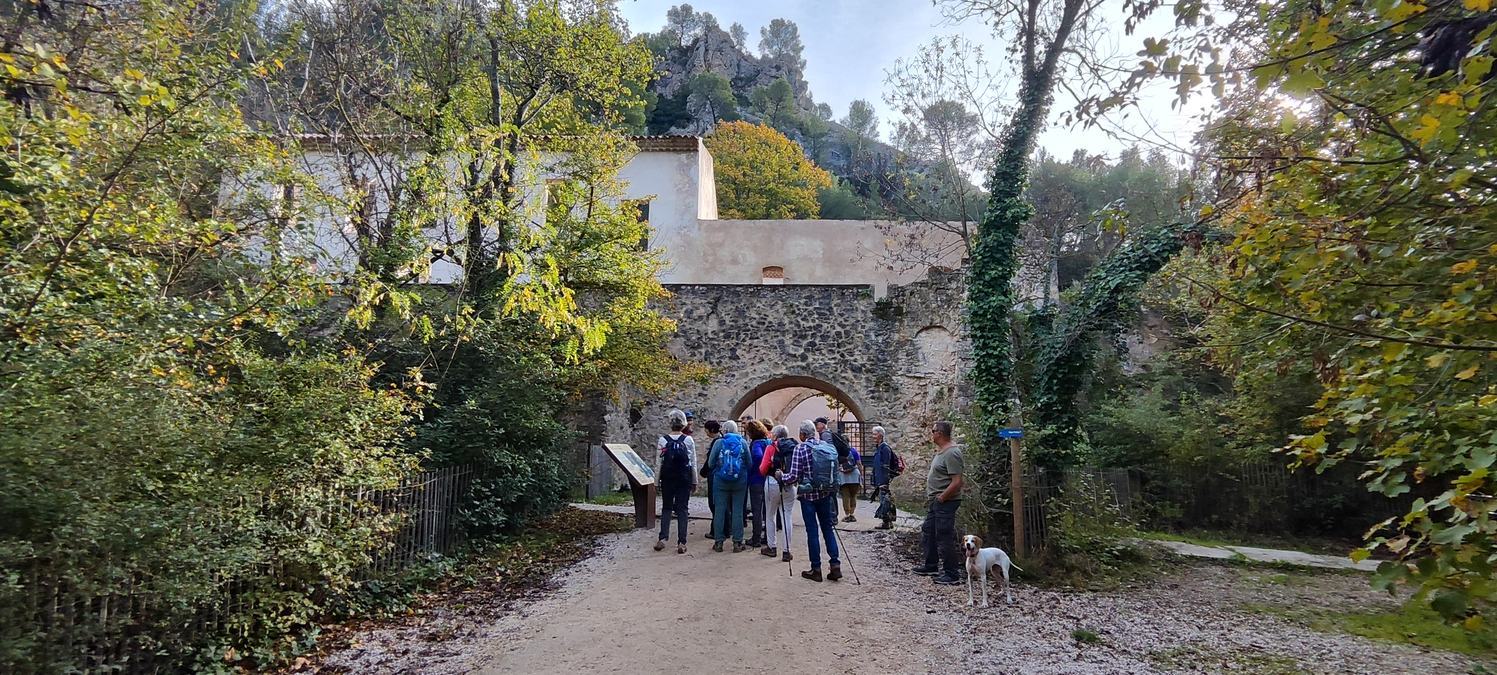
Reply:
x=1209, y=658
x=910, y=508
x=1218, y=538
x=613, y=499
x=1083, y=636
x=1414, y=623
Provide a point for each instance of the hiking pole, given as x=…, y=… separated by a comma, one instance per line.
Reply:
x=846, y=554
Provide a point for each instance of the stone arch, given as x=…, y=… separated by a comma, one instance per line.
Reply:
x=794, y=402
x=782, y=382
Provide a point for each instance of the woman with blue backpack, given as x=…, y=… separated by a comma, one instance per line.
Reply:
x=728, y=465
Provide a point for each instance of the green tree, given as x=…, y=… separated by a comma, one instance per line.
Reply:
x=780, y=41
x=761, y=174
x=775, y=103
x=1362, y=246
x=168, y=426
x=839, y=202
x=711, y=100
x=683, y=24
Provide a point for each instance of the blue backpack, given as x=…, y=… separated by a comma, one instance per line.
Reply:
x=730, y=451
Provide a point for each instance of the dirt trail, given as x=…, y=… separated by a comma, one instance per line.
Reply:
x=632, y=610
x=629, y=609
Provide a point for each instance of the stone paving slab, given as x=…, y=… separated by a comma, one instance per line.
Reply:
x=1265, y=555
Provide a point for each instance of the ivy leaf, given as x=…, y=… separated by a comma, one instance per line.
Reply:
x=1468, y=373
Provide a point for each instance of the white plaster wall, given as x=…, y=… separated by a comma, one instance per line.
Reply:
x=811, y=251
x=671, y=178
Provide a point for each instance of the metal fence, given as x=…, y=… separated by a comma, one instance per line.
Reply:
x=121, y=624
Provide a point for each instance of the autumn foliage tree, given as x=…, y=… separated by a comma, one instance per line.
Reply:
x=761, y=174
x=1355, y=141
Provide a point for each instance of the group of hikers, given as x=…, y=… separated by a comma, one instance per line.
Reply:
x=755, y=470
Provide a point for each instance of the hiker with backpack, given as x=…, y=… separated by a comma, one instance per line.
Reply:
x=886, y=467
x=714, y=434
x=850, y=481
x=778, y=496
x=813, y=470
x=728, y=465
x=822, y=432
x=758, y=442
x=676, y=473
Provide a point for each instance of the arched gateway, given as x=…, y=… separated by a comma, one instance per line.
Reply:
x=871, y=355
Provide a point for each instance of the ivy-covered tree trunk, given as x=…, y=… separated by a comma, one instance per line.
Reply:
x=995, y=255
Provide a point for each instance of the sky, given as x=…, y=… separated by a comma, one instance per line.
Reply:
x=849, y=45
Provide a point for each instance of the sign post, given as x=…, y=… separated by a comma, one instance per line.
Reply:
x=641, y=481
x=1016, y=464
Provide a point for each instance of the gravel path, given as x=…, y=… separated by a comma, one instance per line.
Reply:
x=629, y=609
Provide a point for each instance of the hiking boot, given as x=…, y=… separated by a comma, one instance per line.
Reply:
x=847, y=519
x=835, y=573
x=813, y=575
x=738, y=547
x=926, y=571
x=771, y=552
x=949, y=580
x=660, y=545
x=718, y=547
x=852, y=519
x=710, y=535
x=680, y=548
x=785, y=557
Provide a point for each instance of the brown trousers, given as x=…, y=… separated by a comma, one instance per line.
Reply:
x=850, y=498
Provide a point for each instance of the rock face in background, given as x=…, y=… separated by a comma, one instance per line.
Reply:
x=896, y=361
x=715, y=52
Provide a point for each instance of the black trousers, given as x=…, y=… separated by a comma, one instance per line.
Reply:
x=756, y=502
x=938, y=536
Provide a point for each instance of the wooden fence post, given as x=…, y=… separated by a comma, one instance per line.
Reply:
x=1015, y=458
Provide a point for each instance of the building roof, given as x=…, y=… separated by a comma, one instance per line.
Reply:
x=660, y=143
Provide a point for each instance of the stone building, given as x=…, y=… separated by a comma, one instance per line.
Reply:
x=867, y=312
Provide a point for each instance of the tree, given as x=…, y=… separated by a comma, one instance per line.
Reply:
x=775, y=103
x=1085, y=206
x=814, y=132
x=839, y=202
x=1354, y=145
x=862, y=130
x=780, y=41
x=169, y=424
x=683, y=24
x=761, y=174
x=946, y=97
x=740, y=35
x=1040, y=33
x=711, y=100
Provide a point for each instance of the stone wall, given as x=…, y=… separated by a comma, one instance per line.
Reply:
x=898, y=361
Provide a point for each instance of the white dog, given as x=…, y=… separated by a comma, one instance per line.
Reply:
x=979, y=561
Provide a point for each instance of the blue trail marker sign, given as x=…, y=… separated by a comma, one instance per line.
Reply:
x=1010, y=433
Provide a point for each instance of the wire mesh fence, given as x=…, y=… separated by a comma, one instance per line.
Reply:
x=1251, y=496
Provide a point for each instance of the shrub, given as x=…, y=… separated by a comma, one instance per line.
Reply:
x=499, y=411
x=1088, y=541
x=214, y=488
